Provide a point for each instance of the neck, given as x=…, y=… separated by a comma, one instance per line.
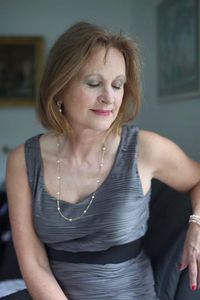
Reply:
x=83, y=146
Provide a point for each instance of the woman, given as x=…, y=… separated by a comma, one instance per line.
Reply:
x=79, y=194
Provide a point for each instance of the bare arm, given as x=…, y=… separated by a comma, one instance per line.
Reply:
x=162, y=159
x=31, y=254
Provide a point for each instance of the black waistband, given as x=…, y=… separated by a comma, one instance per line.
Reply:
x=113, y=255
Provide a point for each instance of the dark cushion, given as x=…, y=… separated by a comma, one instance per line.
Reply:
x=169, y=215
x=21, y=295
x=168, y=223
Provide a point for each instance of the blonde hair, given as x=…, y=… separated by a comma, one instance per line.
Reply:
x=66, y=58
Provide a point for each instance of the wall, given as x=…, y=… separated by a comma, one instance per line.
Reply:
x=49, y=18
x=178, y=120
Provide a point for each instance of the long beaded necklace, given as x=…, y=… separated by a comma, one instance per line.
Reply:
x=70, y=219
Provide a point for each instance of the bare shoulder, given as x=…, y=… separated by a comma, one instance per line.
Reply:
x=146, y=139
x=149, y=144
x=152, y=145
x=166, y=161
x=152, y=139
x=16, y=158
x=16, y=175
x=16, y=162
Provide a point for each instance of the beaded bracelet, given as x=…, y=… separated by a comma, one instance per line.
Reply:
x=194, y=219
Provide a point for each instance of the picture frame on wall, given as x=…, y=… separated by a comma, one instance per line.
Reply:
x=178, y=45
x=21, y=65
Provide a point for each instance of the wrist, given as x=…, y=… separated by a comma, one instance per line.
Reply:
x=194, y=219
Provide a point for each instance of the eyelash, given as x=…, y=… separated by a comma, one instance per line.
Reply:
x=117, y=87
x=93, y=85
x=97, y=85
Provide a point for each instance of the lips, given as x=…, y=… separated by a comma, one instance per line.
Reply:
x=101, y=112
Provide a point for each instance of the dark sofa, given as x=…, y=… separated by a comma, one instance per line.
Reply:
x=168, y=223
x=8, y=262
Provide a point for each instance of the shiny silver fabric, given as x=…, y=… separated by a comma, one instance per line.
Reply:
x=118, y=215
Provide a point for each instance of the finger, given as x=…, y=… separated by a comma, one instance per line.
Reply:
x=182, y=266
x=193, y=271
x=184, y=261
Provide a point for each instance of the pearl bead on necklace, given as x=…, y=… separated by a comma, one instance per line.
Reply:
x=98, y=180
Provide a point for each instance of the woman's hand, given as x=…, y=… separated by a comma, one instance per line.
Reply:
x=191, y=255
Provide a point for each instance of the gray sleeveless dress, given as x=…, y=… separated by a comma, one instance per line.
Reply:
x=118, y=215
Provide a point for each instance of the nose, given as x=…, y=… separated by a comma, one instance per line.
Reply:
x=106, y=97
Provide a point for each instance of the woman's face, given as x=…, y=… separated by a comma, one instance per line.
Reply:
x=93, y=98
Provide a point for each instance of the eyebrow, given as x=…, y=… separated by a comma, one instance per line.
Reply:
x=119, y=77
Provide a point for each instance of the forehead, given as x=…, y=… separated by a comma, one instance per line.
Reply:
x=105, y=60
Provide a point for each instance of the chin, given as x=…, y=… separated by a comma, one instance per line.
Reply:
x=104, y=126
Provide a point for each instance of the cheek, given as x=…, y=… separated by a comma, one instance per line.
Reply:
x=75, y=99
x=82, y=94
x=119, y=98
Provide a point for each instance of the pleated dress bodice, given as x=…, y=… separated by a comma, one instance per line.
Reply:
x=118, y=215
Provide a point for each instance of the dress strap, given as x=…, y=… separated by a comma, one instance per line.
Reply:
x=33, y=161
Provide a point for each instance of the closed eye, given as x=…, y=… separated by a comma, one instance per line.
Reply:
x=93, y=84
x=117, y=87
x=118, y=84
